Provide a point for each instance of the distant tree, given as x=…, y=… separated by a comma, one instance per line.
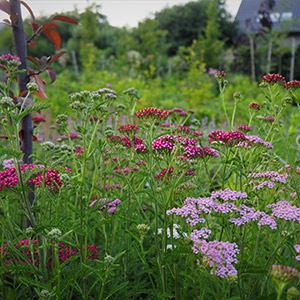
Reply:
x=209, y=44
x=184, y=23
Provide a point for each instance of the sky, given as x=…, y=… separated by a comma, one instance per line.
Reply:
x=119, y=12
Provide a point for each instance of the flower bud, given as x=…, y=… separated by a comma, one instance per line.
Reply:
x=54, y=234
x=32, y=86
x=143, y=229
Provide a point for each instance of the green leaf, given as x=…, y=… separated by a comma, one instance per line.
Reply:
x=11, y=153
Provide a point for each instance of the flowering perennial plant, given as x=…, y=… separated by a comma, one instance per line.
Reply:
x=48, y=176
x=273, y=78
x=230, y=138
x=154, y=113
x=254, y=106
x=65, y=252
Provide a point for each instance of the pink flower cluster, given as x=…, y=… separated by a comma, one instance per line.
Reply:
x=245, y=128
x=178, y=111
x=128, y=129
x=269, y=179
x=230, y=138
x=195, y=209
x=106, y=90
x=254, y=106
x=253, y=140
x=184, y=129
x=152, y=113
x=284, y=210
x=71, y=134
x=48, y=176
x=273, y=78
x=292, y=85
x=125, y=141
x=64, y=253
x=107, y=203
x=199, y=152
x=297, y=248
x=220, y=75
x=220, y=256
x=269, y=119
x=284, y=273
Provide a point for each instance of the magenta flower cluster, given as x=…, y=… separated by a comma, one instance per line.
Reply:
x=64, y=253
x=152, y=113
x=230, y=138
x=48, y=176
x=128, y=129
x=245, y=128
x=254, y=106
x=292, y=85
x=273, y=78
x=199, y=152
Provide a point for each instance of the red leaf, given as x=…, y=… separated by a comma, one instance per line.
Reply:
x=52, y=35
x=34, y=138
x=49, y=25
x=64, y=19
x=28, y=8
x=32, y=60
x=41, y=93
x=51, y=74
x=4, y=6
x=56, y=56
x=23, y=93
x=3, y=137
x=34, y=25
x=31, y=44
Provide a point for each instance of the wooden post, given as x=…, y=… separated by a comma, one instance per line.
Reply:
x=23, y=79
x=293, y=59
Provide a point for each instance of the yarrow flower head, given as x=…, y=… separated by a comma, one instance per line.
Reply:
x=44, y=175
x=230, y=138
x=254, y=106
x=65, y=252
x=152, y=113
x=292, y=85
x=284, y=273
x=107, y=203
x=220, y=75
x=273, y=78
x=128, y=129
x=10, y=61
x=245, y=128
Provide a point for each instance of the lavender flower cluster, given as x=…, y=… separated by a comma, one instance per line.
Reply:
x=219, y=256
x=267, y=179
x=111, y=205
x=195, y=209
x=253, y=140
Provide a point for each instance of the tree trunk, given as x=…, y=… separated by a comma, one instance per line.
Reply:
x=21, y=52
x=269, y=56
x=293, y=59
